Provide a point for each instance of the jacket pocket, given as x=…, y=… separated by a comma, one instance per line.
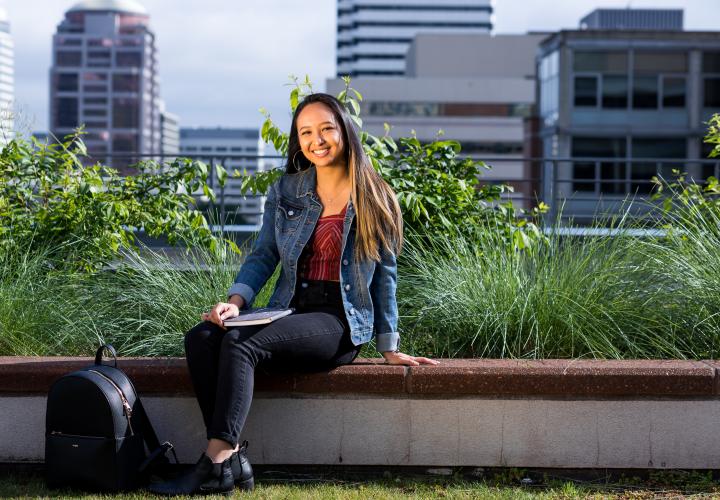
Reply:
x=288, y=215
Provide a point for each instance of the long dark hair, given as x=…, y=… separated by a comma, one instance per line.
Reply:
x=379, y=219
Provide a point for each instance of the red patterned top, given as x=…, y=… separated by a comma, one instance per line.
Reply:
x=320, y=259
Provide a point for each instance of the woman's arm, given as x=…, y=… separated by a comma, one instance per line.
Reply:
x=383, y=288
x=258, y=266
x=262, y=260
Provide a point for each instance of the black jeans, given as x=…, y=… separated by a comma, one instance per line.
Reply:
x=222, y=363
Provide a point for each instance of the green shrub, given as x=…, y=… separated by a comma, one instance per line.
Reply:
x=573, y=297
x=48, y=197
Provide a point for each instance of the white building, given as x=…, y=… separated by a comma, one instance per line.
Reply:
x=105, y=76
x=236, y=149
x=475, y=97
x=7, y=80
x=374, y=35
x=170, y=135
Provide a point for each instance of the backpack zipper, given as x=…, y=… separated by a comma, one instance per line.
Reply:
x=127, y=409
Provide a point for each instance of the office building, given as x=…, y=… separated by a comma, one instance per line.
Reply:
x=373, y=35
x=7, y=80
x=474, y=97
x=236, y=149
x=170, y=133
x=627, y=98
x=105, y=76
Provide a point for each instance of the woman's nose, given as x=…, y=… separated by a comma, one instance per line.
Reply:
x=320, y=139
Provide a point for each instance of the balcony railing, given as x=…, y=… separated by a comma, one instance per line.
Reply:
x=581, y=188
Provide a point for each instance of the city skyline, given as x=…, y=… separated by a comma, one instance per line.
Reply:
x=238, y=57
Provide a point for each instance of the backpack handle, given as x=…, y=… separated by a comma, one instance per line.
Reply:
x=99, y=353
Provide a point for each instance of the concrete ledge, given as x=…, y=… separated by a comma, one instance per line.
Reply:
x=551, y=413
x=554, y=377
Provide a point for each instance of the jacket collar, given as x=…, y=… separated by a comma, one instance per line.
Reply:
x=306, y=184
x=306, y=187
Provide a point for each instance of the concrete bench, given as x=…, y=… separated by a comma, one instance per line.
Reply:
x=549, y=413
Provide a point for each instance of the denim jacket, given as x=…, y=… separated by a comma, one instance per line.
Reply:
x=292, y=209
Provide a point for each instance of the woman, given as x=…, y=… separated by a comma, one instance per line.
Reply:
x=335, y=227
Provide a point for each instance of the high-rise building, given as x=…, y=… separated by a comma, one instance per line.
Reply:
x=373, y=35
x=7, y=80
x=235, y=149
x=105, y=76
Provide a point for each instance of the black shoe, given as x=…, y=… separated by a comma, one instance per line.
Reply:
x=206, y=478
x=241, y=469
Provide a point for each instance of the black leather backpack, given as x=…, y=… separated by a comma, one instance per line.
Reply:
x=97, y=434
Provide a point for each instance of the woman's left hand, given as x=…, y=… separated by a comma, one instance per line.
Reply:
x=399, y=358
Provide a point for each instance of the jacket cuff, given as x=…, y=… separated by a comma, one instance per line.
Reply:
x=244, y=291
x=387, y=341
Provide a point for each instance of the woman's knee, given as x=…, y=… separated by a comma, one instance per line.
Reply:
x=200, y=335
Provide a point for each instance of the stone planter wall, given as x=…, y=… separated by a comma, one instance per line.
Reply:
x=551, y=413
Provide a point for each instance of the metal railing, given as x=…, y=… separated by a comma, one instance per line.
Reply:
x=580, y=188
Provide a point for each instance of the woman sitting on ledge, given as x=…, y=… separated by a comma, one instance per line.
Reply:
x=335, y=227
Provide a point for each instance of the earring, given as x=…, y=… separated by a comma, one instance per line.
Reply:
x=297, y=167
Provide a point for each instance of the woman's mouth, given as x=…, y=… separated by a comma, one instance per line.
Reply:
x=321, y=152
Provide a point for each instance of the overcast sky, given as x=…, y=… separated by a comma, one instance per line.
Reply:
x=220, y=60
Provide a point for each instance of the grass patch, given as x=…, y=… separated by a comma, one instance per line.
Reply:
x=32, y=486
x=574, y=297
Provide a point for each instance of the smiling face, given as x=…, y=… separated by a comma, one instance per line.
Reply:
x=320, y=136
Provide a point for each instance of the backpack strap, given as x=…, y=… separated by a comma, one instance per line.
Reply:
x=157, y=451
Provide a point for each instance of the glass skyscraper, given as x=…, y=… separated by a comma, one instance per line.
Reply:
x=105, y=75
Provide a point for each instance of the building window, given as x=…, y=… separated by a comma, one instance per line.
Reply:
x=67, y=112
x=711, y=62
x=128, y=59
x=604, y=175
x=95, y=77
x=673, y=92
x=67, y=82
x=645, y=92
x=601, y=62
x=96, y=124
x=64, y=58
x=95, y=88
x=600, y=77
x=95, y=112
x=642, y=172
x=659, y=79
x=712, y=92
x=126, y=113
x=614, y=91
x=586, y=90
x=100, y=42
x=126, y=83
x=125, y=143
x=95, y=100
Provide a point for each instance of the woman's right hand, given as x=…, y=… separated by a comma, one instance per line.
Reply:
x=224, y=310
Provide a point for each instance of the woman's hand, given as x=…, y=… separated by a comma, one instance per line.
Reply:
x=222, y=311
x=399, y=358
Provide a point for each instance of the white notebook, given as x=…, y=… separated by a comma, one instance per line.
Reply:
x=260, y=316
